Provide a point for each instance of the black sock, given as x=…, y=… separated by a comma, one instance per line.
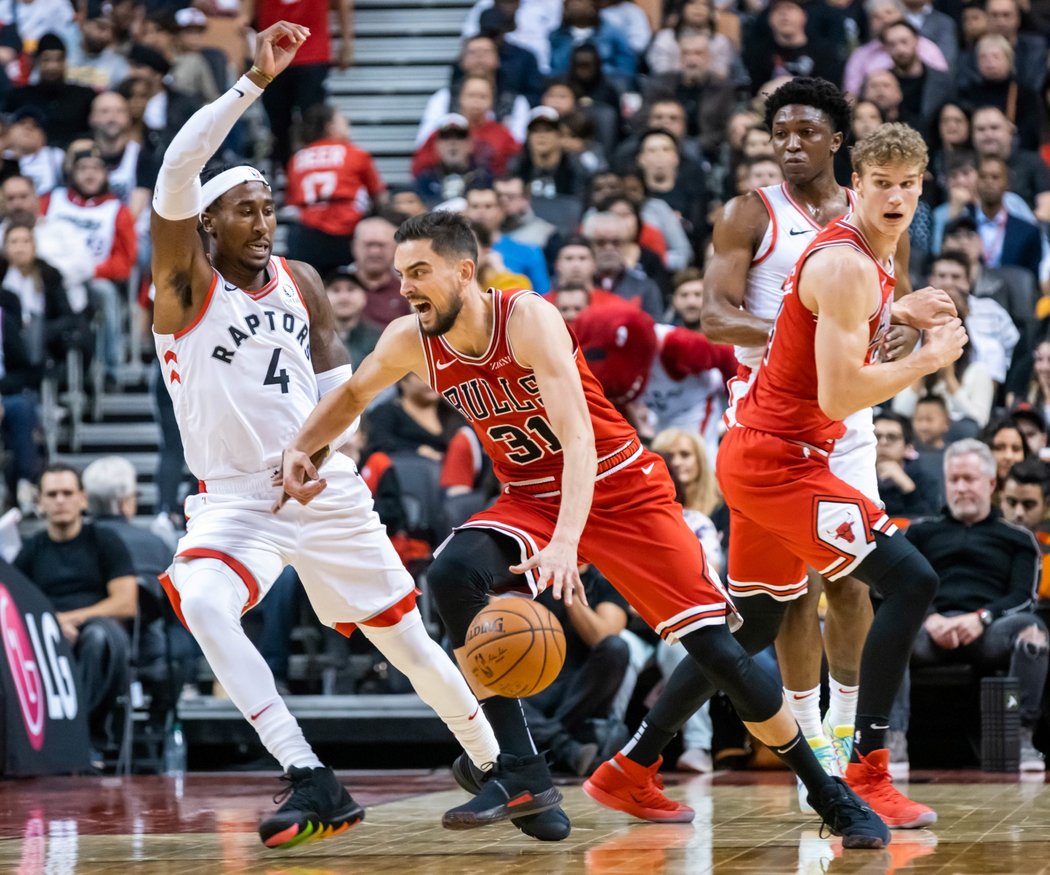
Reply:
x=869, y=735
x=799, y=757
x=509, y=726
x=648, y=743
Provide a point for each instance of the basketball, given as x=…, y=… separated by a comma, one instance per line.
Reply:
x=515, y=647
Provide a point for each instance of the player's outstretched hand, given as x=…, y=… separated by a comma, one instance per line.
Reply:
x=298, y=477
x=927, y=308
x=276, y=46
x=555, y=565
x=944, y=344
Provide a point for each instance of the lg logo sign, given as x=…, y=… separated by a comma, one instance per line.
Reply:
x=42, y=678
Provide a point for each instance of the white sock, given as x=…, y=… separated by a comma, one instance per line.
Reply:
x=212, y=597
x=842, y=710
x=438, y=682
x=805, y=705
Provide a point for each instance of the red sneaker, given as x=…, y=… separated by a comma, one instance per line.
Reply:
x=625, y=785
x=871, y=781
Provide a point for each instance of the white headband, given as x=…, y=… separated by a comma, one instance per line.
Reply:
x=217, y=186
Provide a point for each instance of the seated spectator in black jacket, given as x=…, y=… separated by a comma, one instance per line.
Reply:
x=904, y=487
x=417, y=422
x=20, y=406
x=981, y=614
x=65, y=106
x=33, y=292
x=87, y=573
x=572, y=717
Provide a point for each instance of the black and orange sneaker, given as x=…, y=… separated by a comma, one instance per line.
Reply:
x=552, y=825
x=516, y=787
x=314, y=806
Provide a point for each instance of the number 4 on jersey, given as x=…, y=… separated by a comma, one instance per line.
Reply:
x=276, y=377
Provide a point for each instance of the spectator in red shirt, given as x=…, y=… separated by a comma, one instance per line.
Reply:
x=334, y=183
x=493, y=144
x=109, y=229
x=302, y=84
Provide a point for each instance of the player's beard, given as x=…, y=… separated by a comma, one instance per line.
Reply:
x=443, y=322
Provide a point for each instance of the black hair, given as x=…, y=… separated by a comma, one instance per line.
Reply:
x=1002, y=424
x=902, y=421
x=1031, y=472
x=818, y=93
x=900, y=22
x=20, y=220
x=653, y=132
x=934, y=399
x=315, y=120
x=62, y=468
x=449, y=234
x=955, y=256
x=576, y=240
x=605, y=205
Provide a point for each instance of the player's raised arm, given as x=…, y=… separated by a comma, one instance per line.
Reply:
x=737, y=234
x=541, y=342
x=841, y=287
x=397, y=353
x=181, y=270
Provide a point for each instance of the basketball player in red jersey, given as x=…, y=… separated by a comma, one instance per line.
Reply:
x=821, y=365
x=576, y=486
x=247, y=344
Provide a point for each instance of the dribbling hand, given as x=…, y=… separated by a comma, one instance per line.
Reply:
x=928, y=308
x=944, y=344
x=276, y=46
x=557, y=564
x=298, y=477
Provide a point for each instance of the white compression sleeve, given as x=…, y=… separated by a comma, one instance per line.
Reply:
x=177, y=194
x=329, y=381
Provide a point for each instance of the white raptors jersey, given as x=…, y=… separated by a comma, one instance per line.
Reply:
x=695, y=403
x=96, y=218
x=791, y=229
x=240, y=375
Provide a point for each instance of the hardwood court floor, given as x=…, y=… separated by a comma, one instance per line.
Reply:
x=746, y=823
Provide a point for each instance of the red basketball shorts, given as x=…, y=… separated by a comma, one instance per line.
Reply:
x=786, y=511
x=636, y=536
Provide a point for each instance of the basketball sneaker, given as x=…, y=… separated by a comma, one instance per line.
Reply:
x=625, y=785
x=551, y=825
x=510, y=790
x=315, y=806
x=842, y=741
x=846, y=815
x=871, y=780
x=824, y=751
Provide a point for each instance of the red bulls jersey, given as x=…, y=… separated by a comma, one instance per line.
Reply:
x=334, y=183
x=783, y=400
x=501, y=400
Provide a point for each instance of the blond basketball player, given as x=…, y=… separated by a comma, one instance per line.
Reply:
x=247, y=344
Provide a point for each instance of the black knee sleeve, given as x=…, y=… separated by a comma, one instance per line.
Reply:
x=470, y=566
x=755, y=695
x=762, y=616
x=896, y=565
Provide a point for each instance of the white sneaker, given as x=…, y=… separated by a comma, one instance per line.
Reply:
x=897, y=742
x=825, y=754
x=695, y=759
x=1031, y=759
x=842, y=740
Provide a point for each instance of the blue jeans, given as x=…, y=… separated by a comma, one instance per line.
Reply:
x=18, y=428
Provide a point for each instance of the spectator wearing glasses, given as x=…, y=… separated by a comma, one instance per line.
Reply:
x=904, y=487
x=609, y=235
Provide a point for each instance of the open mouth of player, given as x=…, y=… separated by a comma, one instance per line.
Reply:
x=421, y=307
x=259, y=247
x=893, y=216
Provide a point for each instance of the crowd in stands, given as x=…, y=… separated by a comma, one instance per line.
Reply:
x=593, y=148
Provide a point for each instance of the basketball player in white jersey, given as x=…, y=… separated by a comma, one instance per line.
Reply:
x=247, y=344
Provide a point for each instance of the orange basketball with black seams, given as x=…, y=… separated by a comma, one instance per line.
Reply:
x=515, y=647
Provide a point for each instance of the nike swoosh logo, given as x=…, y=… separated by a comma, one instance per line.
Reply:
x=442, y=365
x=230, y=288
x=238, y=90
x=647, y=469
x=259, y=713
x=799, y=698
x=794, y=232
x=475, y=714
x=880, y=728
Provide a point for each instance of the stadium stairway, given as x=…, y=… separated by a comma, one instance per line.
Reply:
x=403, y=51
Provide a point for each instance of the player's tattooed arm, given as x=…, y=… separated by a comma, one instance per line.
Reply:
x=737, y=236
x=327, y=351
x=540, y=341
